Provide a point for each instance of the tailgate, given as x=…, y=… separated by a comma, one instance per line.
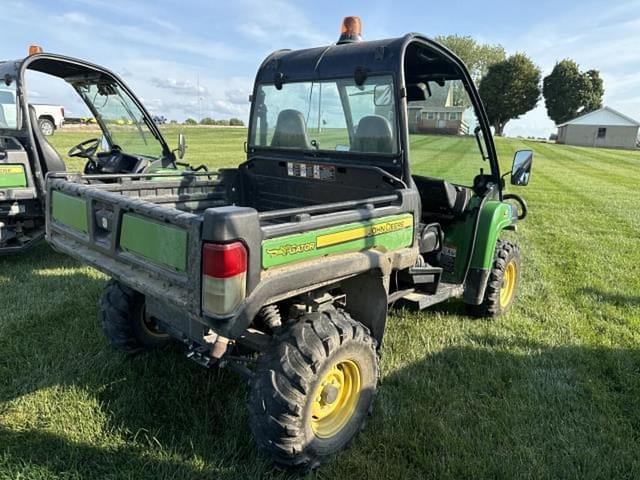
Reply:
x=152, y=248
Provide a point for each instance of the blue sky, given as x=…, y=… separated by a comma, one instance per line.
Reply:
x=166, y=49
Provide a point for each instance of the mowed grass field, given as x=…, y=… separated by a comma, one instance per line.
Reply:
x=551, y=390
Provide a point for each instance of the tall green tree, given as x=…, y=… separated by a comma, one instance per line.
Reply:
x=568, y=92
x=509, y=89
x=478, y=57
x=595, y=93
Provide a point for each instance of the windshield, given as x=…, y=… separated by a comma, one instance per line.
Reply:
x=333, y=115
x=121, y=117
x=8, y=111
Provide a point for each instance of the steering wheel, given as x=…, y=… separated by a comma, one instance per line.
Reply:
x=86, y=149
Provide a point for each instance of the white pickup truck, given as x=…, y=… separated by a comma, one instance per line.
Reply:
x=50, y=117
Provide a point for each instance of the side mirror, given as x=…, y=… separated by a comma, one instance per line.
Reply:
x=382, y=95
x=182, y=146
x=521, y=169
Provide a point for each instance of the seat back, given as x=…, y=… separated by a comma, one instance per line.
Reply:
x=373, y=135
x=440, y=198
x=50, y=159
x=291, y=131
x=3, y=120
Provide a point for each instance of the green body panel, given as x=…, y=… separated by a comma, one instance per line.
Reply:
x=12, y=176
x=165, y=170
x=160, y=243
x=69, y=210
x=389, y=233
x=495, y=217
x=457, y=241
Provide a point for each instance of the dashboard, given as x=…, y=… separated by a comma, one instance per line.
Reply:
x=118, y=162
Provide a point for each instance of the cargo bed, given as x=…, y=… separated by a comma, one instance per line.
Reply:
x=147, y=230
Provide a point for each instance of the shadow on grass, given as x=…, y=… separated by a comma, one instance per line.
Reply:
x=617, y=299
x=71, y=406
x=492, y=408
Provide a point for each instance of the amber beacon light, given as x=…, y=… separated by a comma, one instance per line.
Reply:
x=33, y=49
x=351, y=30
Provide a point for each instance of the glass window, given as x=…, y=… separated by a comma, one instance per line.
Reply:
x=122, y=118
x=431, y=115
x=602, y=132
x=445, y=149
x=8, y=110
x=328, y=115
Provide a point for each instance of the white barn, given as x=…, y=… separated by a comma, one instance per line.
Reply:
x=605, y=127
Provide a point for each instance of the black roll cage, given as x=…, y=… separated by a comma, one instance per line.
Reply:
x=68, y=69
x=380, y=57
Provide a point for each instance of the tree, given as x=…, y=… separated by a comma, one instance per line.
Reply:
x=594, y=96
x=190, y=121
x=207, y=121
x=236, y=122
x=478, y=57
x=569, y=92
x=509, y=89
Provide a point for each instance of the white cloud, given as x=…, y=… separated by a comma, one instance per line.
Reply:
x=607, y=42
x=77, y=18
x=238, y=96
x=180, y=87
x=278, y=23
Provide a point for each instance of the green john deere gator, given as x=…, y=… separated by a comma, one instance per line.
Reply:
x=284, y=268
x=130, y=141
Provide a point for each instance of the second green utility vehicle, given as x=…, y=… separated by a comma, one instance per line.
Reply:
x=129, y=140
x=371, y=179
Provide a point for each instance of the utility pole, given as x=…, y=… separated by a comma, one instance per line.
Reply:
x=198, y=94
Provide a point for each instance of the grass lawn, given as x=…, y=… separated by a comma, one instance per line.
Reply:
x=551, y=390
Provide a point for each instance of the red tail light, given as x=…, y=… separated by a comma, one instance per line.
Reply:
x=224, y=260
x=224, y=275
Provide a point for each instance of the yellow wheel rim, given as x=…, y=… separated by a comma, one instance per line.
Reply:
x=335, y=399
x=150, y=326
x=508, y=284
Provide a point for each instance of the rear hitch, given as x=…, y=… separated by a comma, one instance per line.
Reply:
x=200, y=355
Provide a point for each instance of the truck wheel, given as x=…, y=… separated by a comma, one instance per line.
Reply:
x=125, y=323
x=313, y=390
x=46, y=126
x=503, y=283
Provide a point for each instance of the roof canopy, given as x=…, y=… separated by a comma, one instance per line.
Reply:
x=367, y=57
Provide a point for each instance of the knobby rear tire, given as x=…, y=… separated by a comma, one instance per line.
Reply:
x=121, y=318
x=287, y=379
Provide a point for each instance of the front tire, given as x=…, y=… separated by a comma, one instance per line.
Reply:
x=313, y=390
x=125, y=323
x=46, y=127
x=503, y=283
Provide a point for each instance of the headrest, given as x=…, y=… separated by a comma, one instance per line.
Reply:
x=373, y=135
x=291, y=130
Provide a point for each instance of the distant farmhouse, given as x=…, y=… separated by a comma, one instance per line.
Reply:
x=438, y=113
x=605, y=127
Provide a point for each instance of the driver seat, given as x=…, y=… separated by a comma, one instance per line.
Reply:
x=49, y=157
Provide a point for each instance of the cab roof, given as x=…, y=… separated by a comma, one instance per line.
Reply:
x=67, y=68
x=371, y=57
